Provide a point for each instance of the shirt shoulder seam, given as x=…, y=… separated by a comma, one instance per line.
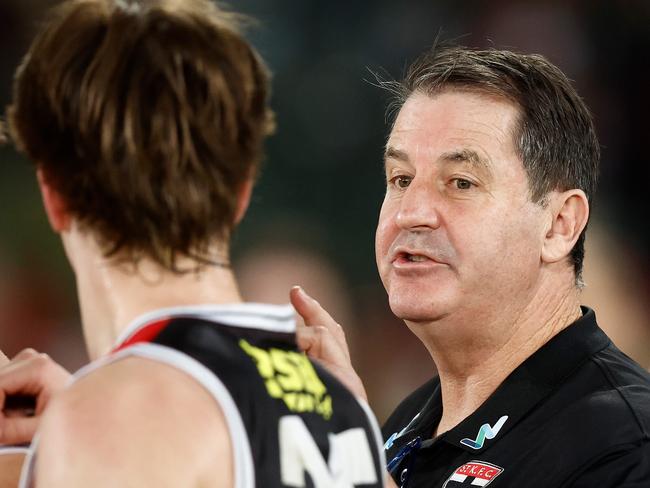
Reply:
x=610, y=378
x=628, y=446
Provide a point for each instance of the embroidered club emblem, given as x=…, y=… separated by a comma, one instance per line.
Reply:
x=485, y=432
x=474, y=473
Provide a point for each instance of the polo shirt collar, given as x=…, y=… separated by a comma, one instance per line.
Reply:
x=531, y=382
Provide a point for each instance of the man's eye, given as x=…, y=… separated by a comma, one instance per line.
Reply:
x=463, y=184
x=401, y=181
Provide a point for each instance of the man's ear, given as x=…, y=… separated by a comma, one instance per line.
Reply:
x=55, y=207
x=569, y=216
x=243, y=199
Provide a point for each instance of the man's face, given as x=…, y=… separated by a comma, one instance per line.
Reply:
x=457, y=230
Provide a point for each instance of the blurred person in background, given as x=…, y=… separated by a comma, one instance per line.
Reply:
x=146, y=121
x=491, y=167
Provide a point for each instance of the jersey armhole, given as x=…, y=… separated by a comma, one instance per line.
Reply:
x=374, y=426
x=242, y=455
x=244, y=472
x=9, y=450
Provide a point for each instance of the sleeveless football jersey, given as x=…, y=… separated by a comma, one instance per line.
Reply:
x=12, y=450
x=291, y=423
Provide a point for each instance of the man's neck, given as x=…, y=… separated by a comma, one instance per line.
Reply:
x=111, y=296
x=472, y=366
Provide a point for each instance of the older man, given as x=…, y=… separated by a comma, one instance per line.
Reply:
x=491, y=166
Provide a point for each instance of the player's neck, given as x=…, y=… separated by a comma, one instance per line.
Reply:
x=472, y=370
x=112, y=295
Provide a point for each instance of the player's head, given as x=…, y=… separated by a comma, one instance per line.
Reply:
x=146, y=120
x=554, y=135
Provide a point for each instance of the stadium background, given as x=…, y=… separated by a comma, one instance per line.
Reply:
x=316, y=204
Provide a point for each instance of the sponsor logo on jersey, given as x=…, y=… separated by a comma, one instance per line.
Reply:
x=290, y=376
x=349, y=462
x=485, y=432
x=474, y=473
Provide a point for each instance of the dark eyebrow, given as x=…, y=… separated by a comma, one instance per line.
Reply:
x=464, y=155
x=393, y=153
x=467, y=156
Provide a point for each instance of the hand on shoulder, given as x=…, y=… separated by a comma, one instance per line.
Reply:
x=27, y=384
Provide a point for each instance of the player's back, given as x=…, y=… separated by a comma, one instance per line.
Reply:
x=215, y=396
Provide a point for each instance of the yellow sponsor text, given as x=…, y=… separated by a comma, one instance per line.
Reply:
x=291, y=377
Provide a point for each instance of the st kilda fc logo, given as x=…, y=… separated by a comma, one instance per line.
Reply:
x=474, y=473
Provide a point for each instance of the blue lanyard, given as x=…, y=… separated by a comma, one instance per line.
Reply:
x=409, y=448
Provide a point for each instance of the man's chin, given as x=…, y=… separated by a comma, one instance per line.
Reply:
x=417, y=314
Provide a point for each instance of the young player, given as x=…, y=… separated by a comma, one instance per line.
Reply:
x=145, y=121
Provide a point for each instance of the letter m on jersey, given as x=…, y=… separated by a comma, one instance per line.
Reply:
x=350, y=460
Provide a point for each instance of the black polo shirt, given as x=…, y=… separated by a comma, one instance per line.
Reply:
x=575, y=414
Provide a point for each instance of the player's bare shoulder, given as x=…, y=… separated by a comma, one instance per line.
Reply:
x=146, y=419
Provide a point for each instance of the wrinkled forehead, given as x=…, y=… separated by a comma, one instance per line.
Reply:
x=465, y=107
x=458, y=129
x=456, y=120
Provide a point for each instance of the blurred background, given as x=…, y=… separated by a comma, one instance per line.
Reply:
x=314, y=212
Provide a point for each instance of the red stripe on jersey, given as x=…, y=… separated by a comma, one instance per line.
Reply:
x=145, y=334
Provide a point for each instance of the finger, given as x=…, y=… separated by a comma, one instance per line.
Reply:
x=3, y=359
x=308, y=308
x=28, y=376
x=17, y=430
x=15, y=382
x=313, y=313
x=319, y=343
x=25, y=354
x=37, y=377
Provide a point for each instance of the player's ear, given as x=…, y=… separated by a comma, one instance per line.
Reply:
x=55, y=207
x=243, y=199
x=569, y=212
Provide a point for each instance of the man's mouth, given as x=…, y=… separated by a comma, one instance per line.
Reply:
x=404, y=257
x=416, y=258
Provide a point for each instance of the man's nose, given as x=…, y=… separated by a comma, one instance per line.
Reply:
x=419, y=206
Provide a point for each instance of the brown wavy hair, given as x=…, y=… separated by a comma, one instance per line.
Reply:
x=146, y=117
